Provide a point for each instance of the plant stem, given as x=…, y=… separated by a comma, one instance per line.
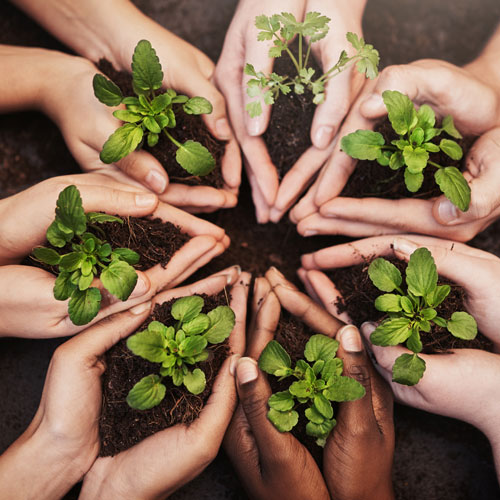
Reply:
x=300, y=51
x=434, y=164
x=339, y=69
x=175, y=141
x=306, y=60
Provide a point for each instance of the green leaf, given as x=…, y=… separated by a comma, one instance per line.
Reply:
x=84, y=305
x=301, y=389
x=320, y=431
x=414, y=343
x=449, y=127
x=417, y=136
x=121, y=142
x=71, y=261
x=69, y=210
x=101, y=218
x=254, y=108
x=323, y=406
x=396, y=160
x=274, y=358
x=195, y=381
x=462, y=325
x=362, y=144
x=392, y=331
x=438, y=295
x=153, y=139
x=151, y=124
x=186, y=309
x=127, y=116
x=344, y=389
x=63, y=288
x=428, y=313
x=47, y=255
x=106, y=91
x=440, y=322
x=384, y=275
x=196, y=325
x=119, y=278
x=198, y=106
x=177, y=377
x=222, y=321
x=426, y=117
x=127, y=255
x=388, y=302
x=192, y=346
x=320, y=347
x=313, y=415
x=160, y=102
x=416, y=159
x=431, y=147
x=421, y=273
x=284, y=421
x=281, y=401
x=408, y=369
x=149, y=344
x=147, y=393
x=85, y=281
x=146, y=68
x=332, y=367
x=56, y=237
x=413, y=181
x=451, y=148
x=195, y=158
x=406, y=304
x=401, y=111
x=454, y=186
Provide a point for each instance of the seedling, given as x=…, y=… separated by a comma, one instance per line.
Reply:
x=151, y=113
x=318, y=383
x=416, y=131
x=282, y=28
x=176, y=347
x=413, y=312
x=90, y=257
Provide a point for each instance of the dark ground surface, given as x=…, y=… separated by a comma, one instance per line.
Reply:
x=436, y=457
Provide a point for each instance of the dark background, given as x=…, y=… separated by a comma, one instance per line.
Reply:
x=436, y=457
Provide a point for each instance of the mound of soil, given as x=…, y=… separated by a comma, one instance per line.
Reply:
x=120, y=426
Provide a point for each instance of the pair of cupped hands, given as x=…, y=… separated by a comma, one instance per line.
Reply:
x=61, y=445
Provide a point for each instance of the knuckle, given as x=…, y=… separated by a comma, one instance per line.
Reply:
x=254, y=406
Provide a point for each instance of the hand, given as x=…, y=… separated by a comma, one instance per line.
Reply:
x=62, y=441
x=26, y=217
x=323, y=211
x=165, y=461
x=358, y=454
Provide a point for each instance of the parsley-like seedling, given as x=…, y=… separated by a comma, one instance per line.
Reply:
x=413, y=312
x=318, y=383
x=282, y=28
x=416, y=131
x=151, y=113
x=90, y=257
x=176, y=347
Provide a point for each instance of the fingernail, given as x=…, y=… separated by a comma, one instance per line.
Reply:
x=141, y=287
x=350, y=339
x=279, y=273
x=254, y=127
x=247, y=370
x=367, y=328
x=145, y=199
x=373, y=104
x=447, y=211
x=139, y=309
x=156, y=181
x=404, y=246
x=222, y=128
x=238, y=269
x=232, y=363
x=323, y=137
x=310, y=232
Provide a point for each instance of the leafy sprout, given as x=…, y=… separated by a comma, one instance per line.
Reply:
x=281, y=29
x=413, y=312
x=178, y=347
x=319, y=381
x=90, y=257
x=151, y=113
x=416, y=130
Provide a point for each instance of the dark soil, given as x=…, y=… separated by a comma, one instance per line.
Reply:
x=188, y=127
x=358, y=295
x=288, y=135
x=371, y=179
x=120, y=426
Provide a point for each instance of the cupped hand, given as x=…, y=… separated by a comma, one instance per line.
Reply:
x=26, y=217
x=165, y=461
x=62, y=442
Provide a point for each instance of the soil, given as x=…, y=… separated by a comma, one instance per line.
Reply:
x=188, y=127
x=370, y=179
x=358, y=295
x=287, y=137
x=120, y=426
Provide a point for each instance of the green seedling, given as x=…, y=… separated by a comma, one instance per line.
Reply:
x=318, y=383
x=281, y=29
x=90, y=257
x=416, y=130
x=151, y=113
x=177, y=348
x=413, y=312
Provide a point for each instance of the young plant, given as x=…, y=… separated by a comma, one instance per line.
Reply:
x=411, y=150
x=282, y=28
x=177, y=347
x=90, y=257
x=151, y=113
x=413, y=312
x=318, y=383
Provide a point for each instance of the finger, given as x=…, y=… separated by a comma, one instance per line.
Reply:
x=306, y=206
x=262, y=208
x=231, y=166
x=182, y=195
x=146, y=169
x=239, y=298
x=302, y=306
x=302, y=274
